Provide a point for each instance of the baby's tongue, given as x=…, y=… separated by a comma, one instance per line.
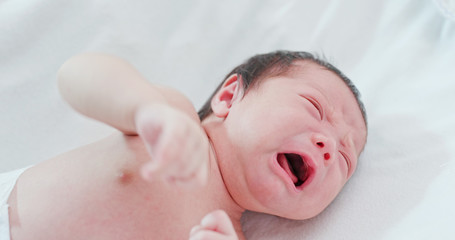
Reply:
x=285, y=165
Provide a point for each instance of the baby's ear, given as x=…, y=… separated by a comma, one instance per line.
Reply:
x=230, y=91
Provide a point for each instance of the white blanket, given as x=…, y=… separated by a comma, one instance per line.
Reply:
x=400, y=53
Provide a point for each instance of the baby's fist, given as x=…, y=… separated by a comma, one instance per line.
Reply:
x=177, y=144
x=214, y=226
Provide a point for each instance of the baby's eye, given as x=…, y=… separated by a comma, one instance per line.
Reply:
x=316, y=105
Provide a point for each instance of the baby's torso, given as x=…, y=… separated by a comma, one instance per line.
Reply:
x=96, y=192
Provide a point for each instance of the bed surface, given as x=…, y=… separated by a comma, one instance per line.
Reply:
x=400, y=54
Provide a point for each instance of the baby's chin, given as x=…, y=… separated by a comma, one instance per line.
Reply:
x=302, y=214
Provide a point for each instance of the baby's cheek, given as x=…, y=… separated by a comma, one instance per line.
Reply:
x=268, y=192
x=328, y=192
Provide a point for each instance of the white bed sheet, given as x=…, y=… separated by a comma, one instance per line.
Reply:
x=401, y=55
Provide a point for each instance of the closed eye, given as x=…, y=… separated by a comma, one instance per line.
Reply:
x=317, y=106
x=348, y=161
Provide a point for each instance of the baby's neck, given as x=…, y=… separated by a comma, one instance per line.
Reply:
x=220, y=195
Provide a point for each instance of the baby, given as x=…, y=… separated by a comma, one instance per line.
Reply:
x=281, y=135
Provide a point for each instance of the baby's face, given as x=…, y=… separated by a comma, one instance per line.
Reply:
x=295, y=142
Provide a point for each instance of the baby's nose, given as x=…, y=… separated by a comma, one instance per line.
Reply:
x=325, y=146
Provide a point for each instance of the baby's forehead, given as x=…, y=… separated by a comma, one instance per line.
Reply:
x=295, y=69
x=313, y=71
x=298, y=69
x=339, y=94
x=303, y=71
x=305, y=68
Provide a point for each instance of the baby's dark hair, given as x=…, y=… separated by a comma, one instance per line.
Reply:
x=275, y=64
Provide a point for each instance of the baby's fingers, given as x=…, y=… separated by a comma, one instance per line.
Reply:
x=219, y=221
x=177, y=145
x=208, y=235
x=179, y=157
x=215, y=225
x=164, y=154
x=149, y=126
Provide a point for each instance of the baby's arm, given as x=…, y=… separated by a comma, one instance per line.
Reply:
x=110, y=90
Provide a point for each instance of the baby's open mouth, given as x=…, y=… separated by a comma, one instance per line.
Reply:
x=295, y=166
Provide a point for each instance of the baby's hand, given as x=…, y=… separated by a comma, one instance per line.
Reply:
x=214, y=226
x=177, y=144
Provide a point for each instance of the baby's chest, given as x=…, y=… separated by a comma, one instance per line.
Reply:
x=83, y=201
x=142, y=210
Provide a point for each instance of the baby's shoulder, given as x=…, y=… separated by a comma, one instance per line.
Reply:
x=178, y=100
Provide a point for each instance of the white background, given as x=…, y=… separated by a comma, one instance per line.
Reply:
x=400, y=54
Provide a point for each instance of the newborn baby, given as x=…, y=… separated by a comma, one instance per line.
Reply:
x=281, y=135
